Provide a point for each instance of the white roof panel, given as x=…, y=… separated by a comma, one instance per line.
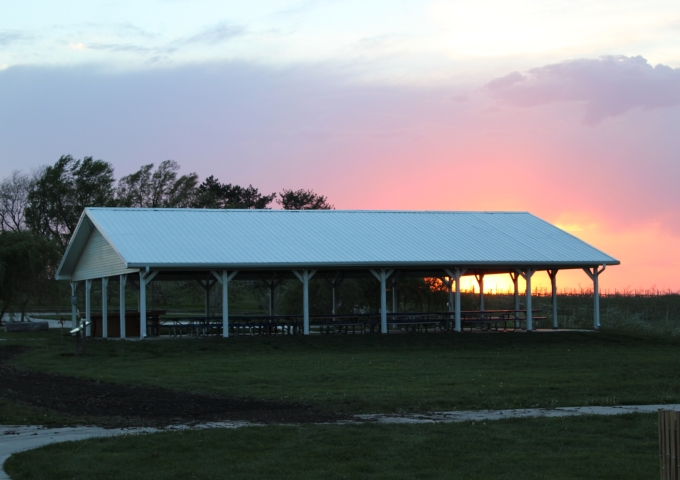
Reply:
x=186, y=238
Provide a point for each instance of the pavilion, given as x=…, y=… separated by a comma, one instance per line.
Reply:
x=176, y=244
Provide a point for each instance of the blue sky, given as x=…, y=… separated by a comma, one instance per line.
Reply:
x=386, y=41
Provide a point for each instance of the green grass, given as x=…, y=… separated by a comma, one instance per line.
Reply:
x=12, y=413
x=622, y=447
x=373, y=373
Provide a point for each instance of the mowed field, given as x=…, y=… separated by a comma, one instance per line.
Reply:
x=387, y=374
x=374, y=374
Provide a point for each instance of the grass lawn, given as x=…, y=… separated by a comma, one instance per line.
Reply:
x=12, y=413
x=622, y=447
x=391, y=373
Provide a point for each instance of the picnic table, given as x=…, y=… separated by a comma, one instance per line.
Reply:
x=354, y=323
x=504, y=320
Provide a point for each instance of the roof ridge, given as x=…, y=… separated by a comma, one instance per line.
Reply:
x=208, y=210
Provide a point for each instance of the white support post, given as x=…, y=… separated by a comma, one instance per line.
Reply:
x=207, y=298
x=594, y=275
x=305, y=276
x=515, y=282
x=74, y=305
x=383, y=302
x=553, y=283
x=305, y=301
x=449, y=288
x=105, y=307
x=394, y=298
x=145, y=277
x=225, y=302
x=207, y=286
x=456, y=273
x=224, y=277
x=382, y=276
x=142, y=305
x=123, y=281
x=337, y=279
x=272, y=294
x=480, y=282
x=452, y=301
x=527, y=274
x=271, y=285
x=88, y=306
x=334, y=309
x=395, y=295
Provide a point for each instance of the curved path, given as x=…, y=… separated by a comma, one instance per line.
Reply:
x=479, y=415
x=15, y=439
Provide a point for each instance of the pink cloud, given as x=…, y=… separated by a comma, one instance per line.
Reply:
x=608, y=86
x=387, y=147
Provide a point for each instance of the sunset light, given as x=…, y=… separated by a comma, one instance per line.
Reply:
x=324, y=239
x=565, y=109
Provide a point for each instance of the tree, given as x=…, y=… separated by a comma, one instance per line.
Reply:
x=13, y=201
x=148, y=189
x=61, y=192
x=213, y=194
x=303, y=200
x=27, y=265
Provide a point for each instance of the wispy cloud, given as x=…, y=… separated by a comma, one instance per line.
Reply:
x=210, y=36
x=130, y=48
x=122, y=29
x=8, y=37
x=382, y=41
x=301, y=9
x=127, y=28
x=215, y=34
x=608, y=86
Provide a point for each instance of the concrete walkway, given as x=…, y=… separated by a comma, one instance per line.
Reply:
x=479, y=415
x=15, y=439
x=19, y=438
x=30, y=317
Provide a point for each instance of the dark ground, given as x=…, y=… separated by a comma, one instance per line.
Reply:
x=116, y=405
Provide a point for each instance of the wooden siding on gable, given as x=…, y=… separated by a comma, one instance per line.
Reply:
x=98, y=260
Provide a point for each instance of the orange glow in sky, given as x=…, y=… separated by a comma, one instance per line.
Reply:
x=567, y=110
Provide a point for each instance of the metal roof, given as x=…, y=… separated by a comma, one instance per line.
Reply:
x=197, y=238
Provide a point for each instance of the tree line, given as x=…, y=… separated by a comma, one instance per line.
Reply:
x=40, y=211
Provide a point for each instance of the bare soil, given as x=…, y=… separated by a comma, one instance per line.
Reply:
x=117, y=405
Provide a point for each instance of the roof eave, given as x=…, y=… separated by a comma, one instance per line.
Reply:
x=324, y=265
x=77, y=243
x=71, y=247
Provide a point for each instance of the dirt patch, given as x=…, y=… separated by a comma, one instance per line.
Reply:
x=118, y=405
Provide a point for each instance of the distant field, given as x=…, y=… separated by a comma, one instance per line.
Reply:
x=392, y=373
x=621, y=448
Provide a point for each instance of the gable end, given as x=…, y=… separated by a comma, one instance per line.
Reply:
x=98, y=260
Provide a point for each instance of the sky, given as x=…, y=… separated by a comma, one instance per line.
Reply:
x=567, y=109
